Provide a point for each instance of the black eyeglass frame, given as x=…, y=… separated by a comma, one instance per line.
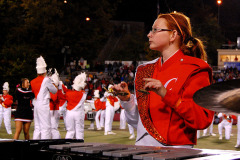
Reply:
x=154, y=30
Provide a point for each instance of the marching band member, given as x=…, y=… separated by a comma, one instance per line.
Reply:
x=109, y=114
x=41, y=87
x=24, y=114
x=225, y=123
x=210, y=130
x=162, y=109
x=62, y=102
x=103, y=112
x=75, y=110
x=54, y=109
x=238, y=132
x=98, y=108
x=6, y=102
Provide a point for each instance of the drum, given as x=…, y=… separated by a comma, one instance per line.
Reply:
x=91, y=115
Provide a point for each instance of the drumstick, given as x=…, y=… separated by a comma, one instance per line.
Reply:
x=117, y=93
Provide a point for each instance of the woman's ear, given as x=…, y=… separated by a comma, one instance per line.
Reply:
x=173, y=35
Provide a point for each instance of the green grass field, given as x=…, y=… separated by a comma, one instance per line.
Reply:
x=122, y=136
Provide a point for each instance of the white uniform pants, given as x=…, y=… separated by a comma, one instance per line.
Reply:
x=42, y=121
x=238, y=130
x=5, y=113
x=54, y=124
x=210, y=128
x=122, y=119
x=228, y=127
x=102, y=118
x=62, y=110
x=109, y=117
x=97, y=119
x=198, y=134
x=75, y=124
x=131, y=129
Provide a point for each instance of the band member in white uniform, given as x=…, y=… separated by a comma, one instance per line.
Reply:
x=210, y=130
x=62, y=103
x=102, y=119
x=238, y=132
x=41, y=87
x=110, y=103
x=225, y=123
x=6, y=101
x=98, y=107
x=54, y=109
x=75, y=110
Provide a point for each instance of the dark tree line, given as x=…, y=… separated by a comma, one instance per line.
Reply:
x=30, y=28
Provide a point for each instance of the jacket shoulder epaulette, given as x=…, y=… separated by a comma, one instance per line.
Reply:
x=189, y=60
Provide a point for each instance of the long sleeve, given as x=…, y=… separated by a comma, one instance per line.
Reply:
x=131, y=111
x=51, y=87
x=186, y=107
x=8, y=101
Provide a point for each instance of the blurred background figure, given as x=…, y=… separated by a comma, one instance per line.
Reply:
x=111, y=107
x=226, y=123
x=238, y=132
x=54, y=108
x=6, y=102
x=75, y=114
x=98, y=107
x=210, y=130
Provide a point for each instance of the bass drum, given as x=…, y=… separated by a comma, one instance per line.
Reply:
x=91, y=115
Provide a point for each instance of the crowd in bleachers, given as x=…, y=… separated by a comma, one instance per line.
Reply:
x=101, y=75
x=226, y=74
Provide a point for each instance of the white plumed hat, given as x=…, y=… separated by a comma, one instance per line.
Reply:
x=96, y=93
x=79, y=82
x=41, y=65
x=55, y=77
x=6, y=86
x=110, y=88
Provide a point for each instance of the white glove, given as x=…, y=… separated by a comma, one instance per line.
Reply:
x=106, y=94
x=60, y=85
x=2, y=98
x=55, y=79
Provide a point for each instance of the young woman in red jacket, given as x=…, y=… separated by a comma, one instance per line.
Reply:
x=166, y=114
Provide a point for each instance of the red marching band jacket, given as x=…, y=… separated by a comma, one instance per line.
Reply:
x=54, y=101
x=98, y=104
x=8, y=101
x=111, y=100
x=103, y=105
x=72, y=97
x=229, y=118
x=174, y=119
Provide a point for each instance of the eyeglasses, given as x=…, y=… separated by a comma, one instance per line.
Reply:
x=154, y=30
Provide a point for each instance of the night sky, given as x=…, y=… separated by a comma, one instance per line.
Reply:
x=146, y=11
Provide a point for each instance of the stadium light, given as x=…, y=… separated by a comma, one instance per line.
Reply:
x=219, y=2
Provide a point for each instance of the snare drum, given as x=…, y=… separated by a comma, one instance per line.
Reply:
x=91, y=115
